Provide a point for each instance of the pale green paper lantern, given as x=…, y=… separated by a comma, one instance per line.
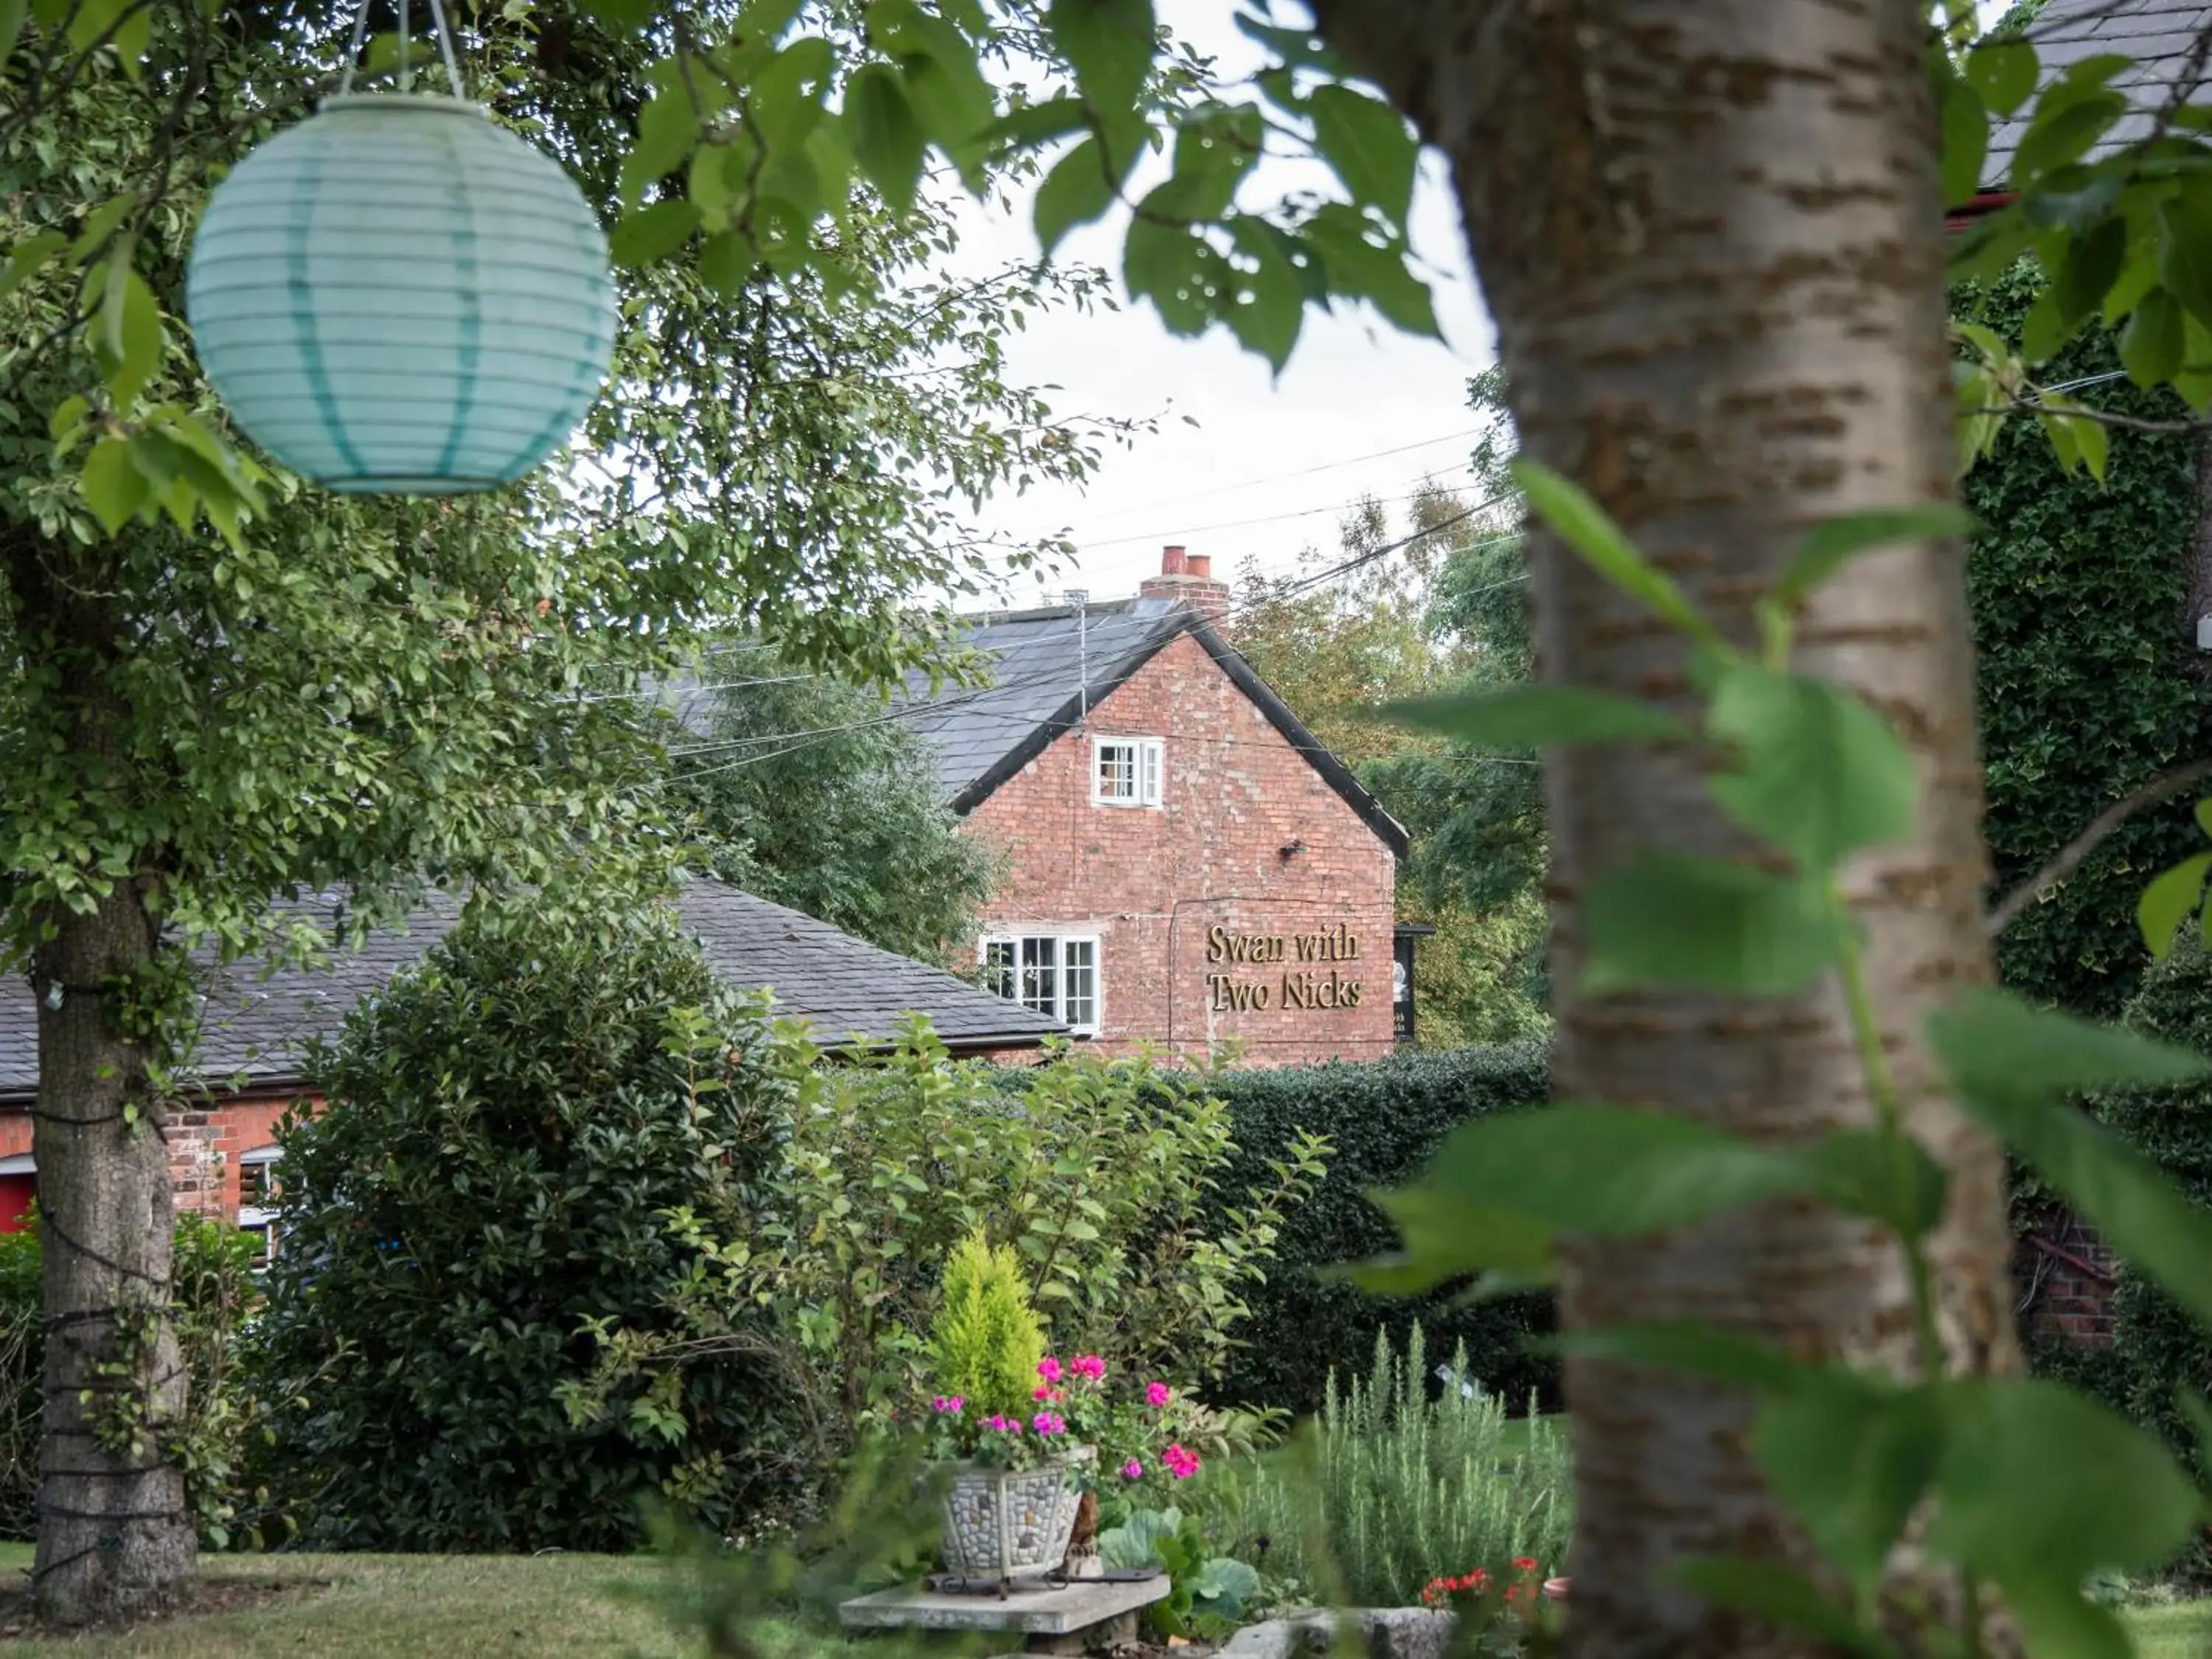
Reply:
x=398, y=296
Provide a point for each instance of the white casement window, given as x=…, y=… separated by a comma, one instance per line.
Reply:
x=257, y=1199
x=1125, y=771
x=1055, y=973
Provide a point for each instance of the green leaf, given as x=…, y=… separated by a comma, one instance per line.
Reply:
x=101, y=223
x=1834, y=543
x=1818, y=773
x=2060, y=1623
x=653, y=232
x=2091, y=264
x=2044, y=329
x=12, y=14
x=1851, y=1459
x=1535, y=716
x=1035, y=124
x=2171, y=900
x=1300, y=47
x=886, y=136
x=622, y=16
x=1077, y=190
x=1965, y=139
x=2014, y=1069
x=1782, y=1596
x=114, y=488
x=1176, y=269
x=67, y=420
x=1609, y=1171
x=1370, y=146
x=1666, y=922
x=1886, y=1178
x=2038, y=1483
x=668, y=132
x=2003, y=72
x=2151, y=344
x=1442, y=1238
x=1357, y=269
x=1689, y=1348
x=1270, y=308
x=2062, y=134
x=1108, y=44
x=2185, y=254
x=28, y=257
x=1584, y=525
x=131, y=339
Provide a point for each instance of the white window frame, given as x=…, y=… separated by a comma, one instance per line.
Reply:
x=1148, y=771
x=1060, y=941
x=257, y=1218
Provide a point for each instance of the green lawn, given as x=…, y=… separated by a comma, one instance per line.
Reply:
x=394, y=1607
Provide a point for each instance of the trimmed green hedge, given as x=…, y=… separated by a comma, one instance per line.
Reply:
x=1385, y=1117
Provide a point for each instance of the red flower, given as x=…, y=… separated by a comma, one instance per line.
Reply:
x=1526, y=1563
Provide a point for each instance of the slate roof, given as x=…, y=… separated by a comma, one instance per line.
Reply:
x=1051, y=664
x=254, y=1026
x=2157, y=34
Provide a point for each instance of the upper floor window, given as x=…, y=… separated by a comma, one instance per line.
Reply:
x=1125, y=771
x=1056, y=975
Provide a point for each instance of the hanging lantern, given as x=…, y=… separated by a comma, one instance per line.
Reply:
x=397, y=297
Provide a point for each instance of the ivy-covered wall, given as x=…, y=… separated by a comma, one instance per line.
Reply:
x=2089, y=676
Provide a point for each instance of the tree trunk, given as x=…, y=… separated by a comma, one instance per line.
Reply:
x=1710, y=236
x=113, y=1533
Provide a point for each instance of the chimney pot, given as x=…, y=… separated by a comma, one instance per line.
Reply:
x=1200, y=565
x=1171, y=562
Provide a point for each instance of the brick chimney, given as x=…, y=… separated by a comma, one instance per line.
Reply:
x=1187, y=578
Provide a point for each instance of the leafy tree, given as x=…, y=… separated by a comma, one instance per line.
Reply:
x=804, y=790
x=378, y=694
x=1388, y=621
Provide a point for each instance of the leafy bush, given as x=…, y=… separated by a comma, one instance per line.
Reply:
x=509, y=1123
x=986, y=1341
x=1382, y=1118
x=213, y=1299
x=1392, y=1486
x=1140, y=1229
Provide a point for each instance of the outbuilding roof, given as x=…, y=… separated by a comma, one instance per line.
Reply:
x=255, y=1027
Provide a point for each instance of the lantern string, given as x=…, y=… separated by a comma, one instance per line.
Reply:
x=406, y=64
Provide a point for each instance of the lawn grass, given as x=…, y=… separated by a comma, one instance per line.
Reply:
x=2183, y=1630
x=506, y=1606
x=396, y=1607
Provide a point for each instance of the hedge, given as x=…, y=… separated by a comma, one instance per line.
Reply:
x=1385, y=1117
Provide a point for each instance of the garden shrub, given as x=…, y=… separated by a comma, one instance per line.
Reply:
x=1139, y=1228
x=987, y=1340
x=1382, y=1118
x=1393, y=1485
x=509, y=1122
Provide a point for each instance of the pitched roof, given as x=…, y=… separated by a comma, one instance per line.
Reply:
x=2158, y=35
x=1052, y=663
x=255, y=1026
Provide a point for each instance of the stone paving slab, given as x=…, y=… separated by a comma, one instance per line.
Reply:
x=1032, y=1613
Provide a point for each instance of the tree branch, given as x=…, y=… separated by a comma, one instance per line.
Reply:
x=2072, y=856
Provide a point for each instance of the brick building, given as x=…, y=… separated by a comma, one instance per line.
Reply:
x=247, y=1071
x=1185, y=863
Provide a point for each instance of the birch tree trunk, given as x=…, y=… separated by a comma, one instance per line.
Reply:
x=1711, y=235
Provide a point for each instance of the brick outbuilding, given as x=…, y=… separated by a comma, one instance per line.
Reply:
x=1186, y=865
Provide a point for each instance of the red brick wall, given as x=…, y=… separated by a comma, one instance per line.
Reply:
x=1152, y=881
x=204, y=1144
x=2065, y=1273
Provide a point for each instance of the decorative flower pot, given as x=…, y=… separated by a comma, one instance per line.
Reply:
x=1003, y=1523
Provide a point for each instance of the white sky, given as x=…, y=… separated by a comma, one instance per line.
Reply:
x=1271, y=465
x=1262, y=448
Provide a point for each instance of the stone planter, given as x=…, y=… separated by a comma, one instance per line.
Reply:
x=1002, y=1523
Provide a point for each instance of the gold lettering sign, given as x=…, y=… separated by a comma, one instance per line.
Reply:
x=1310, y=978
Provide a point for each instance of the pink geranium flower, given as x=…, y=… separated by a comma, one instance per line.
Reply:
x=1133, y=1470
x=1088, y=1364
x=1182, y=1463
x=949, y=1404
x=1157, y=1394
x=1049, y=1369
x=1048, y=1423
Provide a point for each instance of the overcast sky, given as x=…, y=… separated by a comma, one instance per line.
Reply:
x=1294, y=453
x=1272, y=464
